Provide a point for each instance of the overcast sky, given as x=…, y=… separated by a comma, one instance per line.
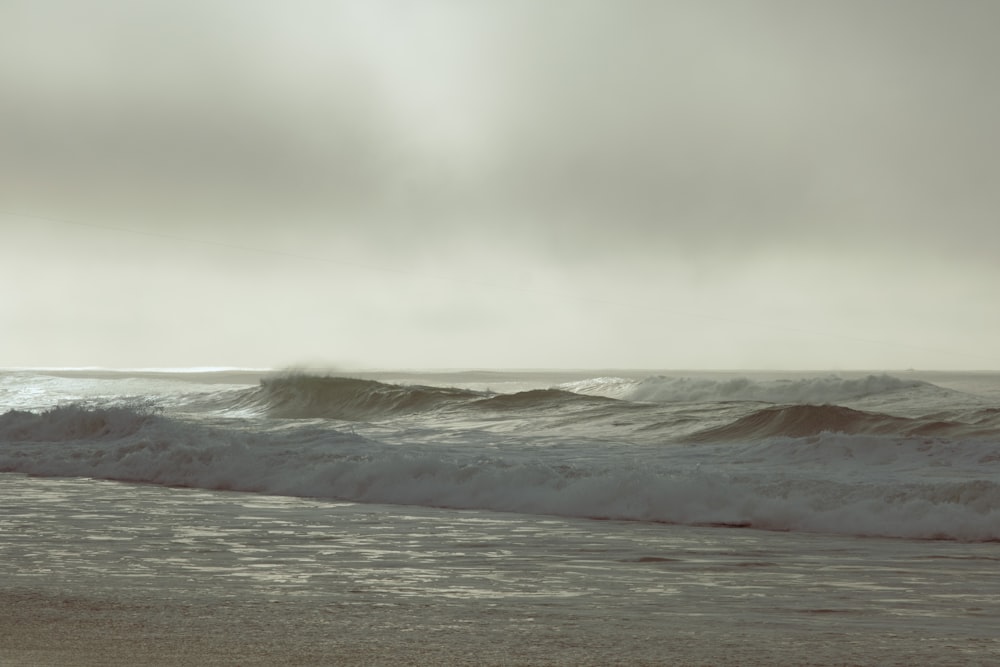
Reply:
x=457, y=183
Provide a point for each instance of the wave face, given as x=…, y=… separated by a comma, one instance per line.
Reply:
x=805, y=420
x=309, y=396
x=931, y=470
x=540, y=399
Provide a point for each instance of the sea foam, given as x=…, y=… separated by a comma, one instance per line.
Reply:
x=914, y=487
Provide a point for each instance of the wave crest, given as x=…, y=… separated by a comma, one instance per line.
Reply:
x=540, y=399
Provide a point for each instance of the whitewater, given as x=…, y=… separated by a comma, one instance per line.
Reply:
x=870, y=455
x=842, y=473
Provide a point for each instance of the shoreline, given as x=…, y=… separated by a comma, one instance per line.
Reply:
x=109, y=573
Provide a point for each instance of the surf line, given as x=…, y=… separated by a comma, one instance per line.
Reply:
x=487, y=284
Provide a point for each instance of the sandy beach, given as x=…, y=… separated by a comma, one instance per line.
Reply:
x=44, y=629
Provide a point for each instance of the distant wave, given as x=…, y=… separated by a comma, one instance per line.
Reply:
x=919, y=487
x=663, y=389
x=536, y=399
x=349, y=399
x=804, y=420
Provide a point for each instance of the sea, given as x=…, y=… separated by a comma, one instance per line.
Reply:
x=593, y=517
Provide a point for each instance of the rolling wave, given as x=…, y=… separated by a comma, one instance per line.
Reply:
x=541, y=399
x=302, y=396
x=797, y=421
x=864, y=484
x=663, y=389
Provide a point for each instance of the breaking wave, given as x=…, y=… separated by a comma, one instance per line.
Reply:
x=863, y=484
x=75, y=422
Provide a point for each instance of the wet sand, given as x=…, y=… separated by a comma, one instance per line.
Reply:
x=105, y=573
x=42, y=629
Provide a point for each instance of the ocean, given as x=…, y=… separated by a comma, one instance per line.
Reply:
x=244, y=517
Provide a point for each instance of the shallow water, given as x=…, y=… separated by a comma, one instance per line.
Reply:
x=322, y=582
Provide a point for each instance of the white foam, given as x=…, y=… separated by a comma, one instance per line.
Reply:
x=866, y=485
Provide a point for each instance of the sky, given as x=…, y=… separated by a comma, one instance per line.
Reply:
x=675, y=184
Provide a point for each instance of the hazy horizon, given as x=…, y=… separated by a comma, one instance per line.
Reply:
x=768, y=184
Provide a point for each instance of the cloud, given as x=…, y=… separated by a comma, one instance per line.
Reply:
x=693, y=154
x=755, y=124
x=627, y=122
